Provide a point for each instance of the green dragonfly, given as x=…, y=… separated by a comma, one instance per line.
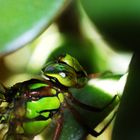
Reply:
x=27, y=108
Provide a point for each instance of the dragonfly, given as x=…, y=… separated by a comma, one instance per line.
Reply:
x=28, y=107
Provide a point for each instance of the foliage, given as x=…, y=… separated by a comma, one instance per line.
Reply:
x=102, y=35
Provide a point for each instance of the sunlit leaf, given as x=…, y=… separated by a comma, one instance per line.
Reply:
x=22, y=21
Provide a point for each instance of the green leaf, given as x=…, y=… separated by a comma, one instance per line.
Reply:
x=21, y=21
x=118, y=21
x=71, y=130
x=127, y=124
x=72, y=45
x=98, y=93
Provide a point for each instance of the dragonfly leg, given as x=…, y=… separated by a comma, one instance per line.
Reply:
x=89, y=107
x=58, y=129
x=95, y=133
x=89, y=129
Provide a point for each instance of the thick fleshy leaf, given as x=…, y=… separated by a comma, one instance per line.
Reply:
x=21, y=21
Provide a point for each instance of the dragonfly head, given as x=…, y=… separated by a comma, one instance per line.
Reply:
x=66, y=71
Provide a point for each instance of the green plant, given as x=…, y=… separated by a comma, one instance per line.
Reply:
x=94, y=41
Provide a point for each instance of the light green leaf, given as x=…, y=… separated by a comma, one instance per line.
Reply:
x=21, y=21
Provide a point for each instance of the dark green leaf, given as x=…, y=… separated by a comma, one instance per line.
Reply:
x=118, y=21
x=127, y=124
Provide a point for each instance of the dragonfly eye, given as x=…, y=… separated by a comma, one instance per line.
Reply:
x=67, y=71
x=61, y=73
x=73, y=63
